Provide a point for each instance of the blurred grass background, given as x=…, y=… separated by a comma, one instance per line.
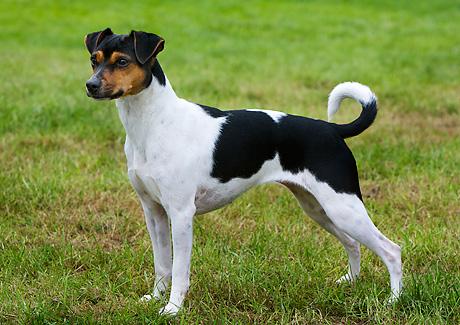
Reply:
x=73, y=245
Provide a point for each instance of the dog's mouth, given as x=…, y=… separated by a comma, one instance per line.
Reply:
x=105, y=95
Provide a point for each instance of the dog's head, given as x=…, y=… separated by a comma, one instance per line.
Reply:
x=122, y=64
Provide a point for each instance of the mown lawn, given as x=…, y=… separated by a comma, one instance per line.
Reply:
x=73, y=245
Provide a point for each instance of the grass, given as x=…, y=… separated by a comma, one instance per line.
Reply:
x=73, y=245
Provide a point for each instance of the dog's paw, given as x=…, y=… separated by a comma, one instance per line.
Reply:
x=393, y=299
x=169, y=310
x=347, y=278
x=156, y=296
x=146, y=298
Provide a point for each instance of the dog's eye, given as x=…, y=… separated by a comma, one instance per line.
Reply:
x=122, y=63
x=93, y=61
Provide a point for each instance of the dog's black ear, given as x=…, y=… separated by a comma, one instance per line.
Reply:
x=92, y=40
x=146, y=45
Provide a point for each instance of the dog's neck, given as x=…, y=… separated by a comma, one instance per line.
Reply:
x=151, y=106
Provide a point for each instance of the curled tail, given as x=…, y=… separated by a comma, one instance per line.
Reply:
x=361, y=94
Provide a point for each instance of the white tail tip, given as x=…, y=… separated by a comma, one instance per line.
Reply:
x=354, y=90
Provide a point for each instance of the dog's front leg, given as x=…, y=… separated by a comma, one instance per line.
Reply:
x=182, y=233
x=158, y=226
x=157, y=223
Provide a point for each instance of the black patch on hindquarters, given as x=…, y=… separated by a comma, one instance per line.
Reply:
x=158, y=73
x=316, y=146
x=249, y=138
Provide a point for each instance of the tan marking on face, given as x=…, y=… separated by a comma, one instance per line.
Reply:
x=116, y=56
x=130, y=80
x=99, y=57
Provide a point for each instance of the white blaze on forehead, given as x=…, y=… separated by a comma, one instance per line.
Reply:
x=276, y=116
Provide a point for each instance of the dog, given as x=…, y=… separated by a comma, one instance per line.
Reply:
x=186, y=159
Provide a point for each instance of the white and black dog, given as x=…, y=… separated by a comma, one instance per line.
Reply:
x=186, y=159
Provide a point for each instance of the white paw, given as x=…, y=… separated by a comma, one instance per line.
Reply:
x=146, y=298
x=156, y=295
x=346, y=278
x=393, y=298
x=169, y=310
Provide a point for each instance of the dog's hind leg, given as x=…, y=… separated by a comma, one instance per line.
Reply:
x=348, y=214
x=312, y=208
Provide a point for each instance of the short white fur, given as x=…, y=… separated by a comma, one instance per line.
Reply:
x=354, y=90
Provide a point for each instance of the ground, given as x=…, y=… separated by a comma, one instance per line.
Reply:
x=73, y=244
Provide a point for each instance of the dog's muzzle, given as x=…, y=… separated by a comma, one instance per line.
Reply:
x=93, y=85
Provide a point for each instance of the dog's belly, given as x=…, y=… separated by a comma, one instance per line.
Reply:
x=209, y=199
x=213, y=194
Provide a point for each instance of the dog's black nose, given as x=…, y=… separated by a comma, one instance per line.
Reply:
x=93, y=85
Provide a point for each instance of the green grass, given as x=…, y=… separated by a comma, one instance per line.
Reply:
x=73, y=245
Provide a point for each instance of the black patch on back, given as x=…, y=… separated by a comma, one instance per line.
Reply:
x=249, y=138
x=214, y=112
